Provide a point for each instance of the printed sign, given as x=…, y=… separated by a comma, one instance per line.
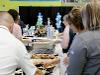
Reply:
x=34, y=0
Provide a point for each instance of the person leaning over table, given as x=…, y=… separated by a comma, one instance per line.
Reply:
x=75, y=28
x=65, y=35
x=84, y=54
x=76, y=24
x=13, y=53
x=67, y=38
x=69, y=33
x=17, y=32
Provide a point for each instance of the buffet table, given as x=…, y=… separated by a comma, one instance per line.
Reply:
x=44, y=44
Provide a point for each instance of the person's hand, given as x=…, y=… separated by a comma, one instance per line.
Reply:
x=66, y=60
x=39, y=72
x=52, y=62
x=47, y=64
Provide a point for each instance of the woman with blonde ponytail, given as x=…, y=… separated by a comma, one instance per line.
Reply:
x=84, y=54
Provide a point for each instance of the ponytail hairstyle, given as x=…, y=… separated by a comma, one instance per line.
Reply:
x=90, y=14
x=75, y=18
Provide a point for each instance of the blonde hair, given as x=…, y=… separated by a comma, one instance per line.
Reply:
x=90, y=14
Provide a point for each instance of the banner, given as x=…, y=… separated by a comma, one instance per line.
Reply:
x=34, y=0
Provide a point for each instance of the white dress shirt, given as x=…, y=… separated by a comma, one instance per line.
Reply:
x=13, y=54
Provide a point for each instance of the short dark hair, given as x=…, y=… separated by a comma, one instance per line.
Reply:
x=14, y=14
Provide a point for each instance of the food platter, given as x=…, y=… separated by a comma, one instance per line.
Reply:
x=45, y=62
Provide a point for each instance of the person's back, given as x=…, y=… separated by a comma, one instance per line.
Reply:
x=8, y=52
x=13, y=53
x=91, y=42
x=85, y=56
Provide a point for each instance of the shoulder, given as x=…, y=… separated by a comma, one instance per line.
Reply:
x=16, y=41
x=86, y=36
x=16, y=26
x=82, y=38
x=79, y=43
x=87, y=33
x=19, y=46
x=13, y=40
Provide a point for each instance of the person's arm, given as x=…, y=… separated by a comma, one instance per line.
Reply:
x=38, y=72
x=66, y=58
x=52, y=62
x=77, y=57
x=25, y=63
x=65, y=38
